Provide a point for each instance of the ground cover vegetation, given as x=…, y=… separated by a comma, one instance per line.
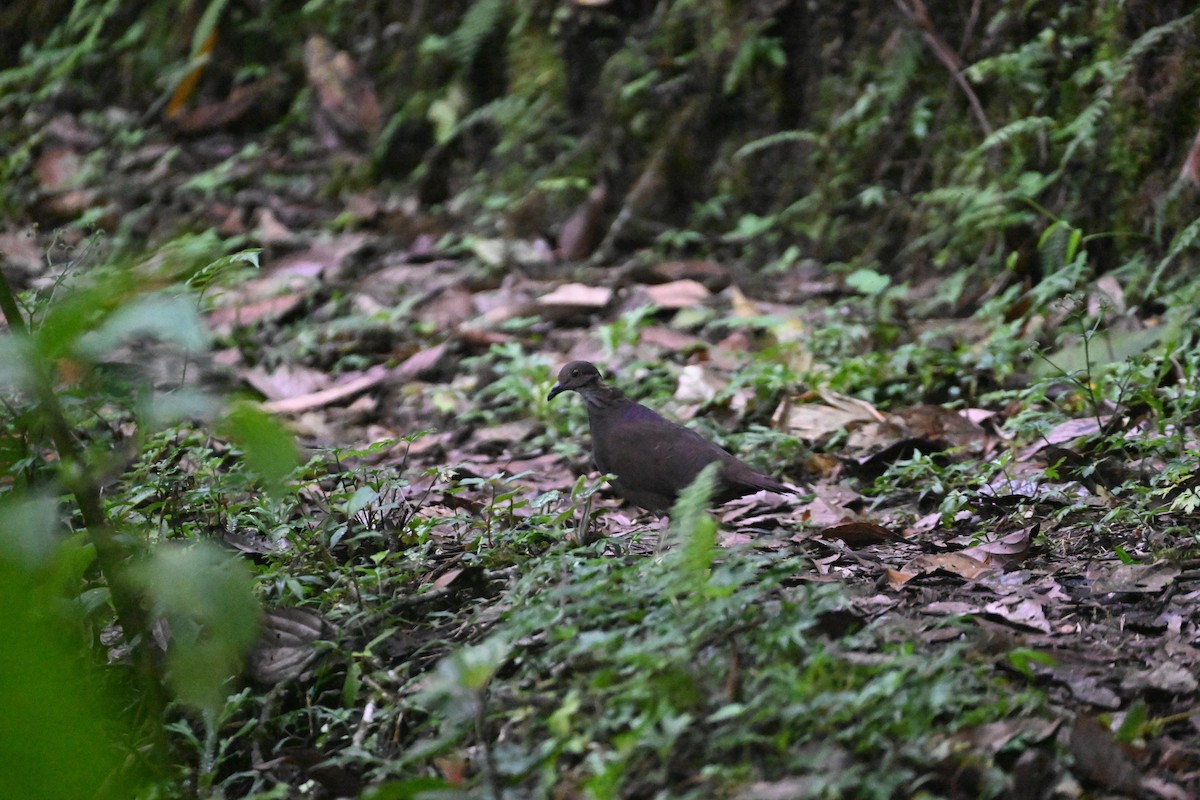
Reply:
x=285, y=512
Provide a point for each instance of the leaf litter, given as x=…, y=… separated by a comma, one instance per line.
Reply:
x=408, y=330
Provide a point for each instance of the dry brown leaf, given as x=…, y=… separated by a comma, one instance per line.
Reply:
x=955, y=563
x=324, y=258
x=581, y=232
x=423, y=362
x=347, y=104
x=242, y=314
x=678, y=294
x=713, y=275
x=1025, y=612
x=21, y=250
x=1136, y=578
x=827, y=413
x=347, y=386
x=1065, y=432
x=447, y=577
x=58, y=169
x=242, y=100
x=1005, y=552
x=1100, y=758
x=1190, y=171
x=940, y=424
x=670, y=339
x=576, y=296
x=898, y=578
x=821, y=511
x=857, y=533
x=183, y=92
x=285, y=382
x=1165, y=677
x=734, y=538
x=1107, y=297
x=272, y=232
x=287, y=645
x=697, y=385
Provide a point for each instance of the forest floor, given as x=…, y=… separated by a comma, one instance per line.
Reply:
x=987, y=530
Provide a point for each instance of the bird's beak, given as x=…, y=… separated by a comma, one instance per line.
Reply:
x=555, y=392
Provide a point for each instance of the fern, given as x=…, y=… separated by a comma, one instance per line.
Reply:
x=775, y=139
x=1144, y=43
x=483, y=17
x=1182, y=241
x=1083, y=129
x=694, y=532
x=1014, y=129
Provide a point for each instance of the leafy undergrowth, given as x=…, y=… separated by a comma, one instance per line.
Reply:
x=985, y=585
x=976, y=361
x=490, y=659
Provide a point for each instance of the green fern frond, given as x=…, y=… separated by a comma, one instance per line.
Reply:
x=694, y=532
x=775, y=139
x=1182, y=241
x=1014, y=129
x=480, y=20
x=1083, y=130
x=1148, y=40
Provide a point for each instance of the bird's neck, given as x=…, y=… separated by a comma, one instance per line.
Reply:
x=602, y=396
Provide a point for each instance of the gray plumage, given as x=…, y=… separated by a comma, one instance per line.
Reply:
x=652, y=458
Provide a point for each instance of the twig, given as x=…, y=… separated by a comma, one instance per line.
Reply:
x=919, y=16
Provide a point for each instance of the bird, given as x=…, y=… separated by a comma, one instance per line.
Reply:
x=652, y=458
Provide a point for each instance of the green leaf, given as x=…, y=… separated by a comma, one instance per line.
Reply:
x=693, y=529
x=1023, y=659
x=1133, y=726
x=361, y=498
x=167, y=318
x=30, y=522
x=269, y=449
x=16, y=362
x=868, y=281
x=207, y=599
x=58, y=730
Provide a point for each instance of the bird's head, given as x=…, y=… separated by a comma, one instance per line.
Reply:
x=575, y=376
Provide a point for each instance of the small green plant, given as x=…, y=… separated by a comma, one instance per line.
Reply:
x=69, y=407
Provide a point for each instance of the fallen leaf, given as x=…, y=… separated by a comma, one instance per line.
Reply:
x=241, y=101
x=287, y=381
x=581, y=232
x=575, y=296
x=1065, y=432
x=713, y=275
x=58, y=169
x=348, y=386
x=1100, y=758
x=959, y=564
x=678, y=294
x=346, y=102
x=1027, y=613
x=697, y=385
x=857, y=534
x=1190, y=171
x=423, y=362
x=1006, y=551
x=828, y=413
x=287, y=649
x=1138, y=578
x=1166, y=677
x=447, y=577
x=898, y=578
